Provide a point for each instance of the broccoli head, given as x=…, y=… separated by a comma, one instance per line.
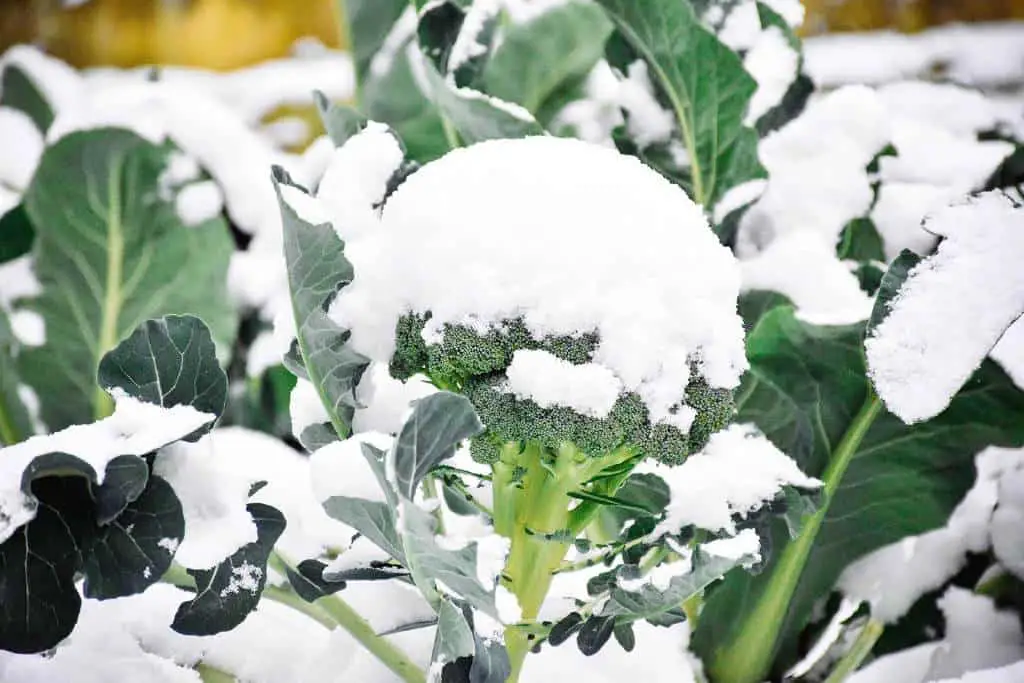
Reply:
x=474, y=364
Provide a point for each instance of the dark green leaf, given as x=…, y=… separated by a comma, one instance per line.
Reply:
x=228, y=593
x=860, y=241
x=892, y=282
x=453, y=639
x=39, y=603
x=456, y=501
x=564, y=629
x=706, y=86
x=19, y=92
x=340, y=122
x=793, y=103
x=125, y=479
x=610, y=501
x=133, y=551
x=317, y=436
x=16, y=234
x=317, y=269
x=755, y=304
x=169, y=362
x=437, y=425
x=439, y=26
x=538, y=58
x=105, y=269
x=625, y=636
x=594, y=633
x=308, y=581
x=375, y=571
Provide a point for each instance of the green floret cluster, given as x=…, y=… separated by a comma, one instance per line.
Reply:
x=474, y=364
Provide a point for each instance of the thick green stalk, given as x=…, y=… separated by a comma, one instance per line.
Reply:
x=209, y=674
x=862, y=647
x=748, y=657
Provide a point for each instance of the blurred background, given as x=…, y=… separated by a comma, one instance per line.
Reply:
x=227, y=34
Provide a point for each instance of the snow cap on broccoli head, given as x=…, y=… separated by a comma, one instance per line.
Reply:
x=558, y=246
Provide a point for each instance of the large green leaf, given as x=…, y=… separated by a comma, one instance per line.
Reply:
x=229, y=592
x=369, y=23
x=537, y=58
x=706, y=86
x=171, y=361
x=15, y=422
x=804, y=389
x=110, y=253
x=317, y=270
x=429, y=437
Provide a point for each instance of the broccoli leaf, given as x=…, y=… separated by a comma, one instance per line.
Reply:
x=125, y=479
x=170, y=362
x=706, y=85
x=340, y=122
x=317, y=269
x=374, y=520
x=18, y=91
x=105, y=270
x=369, y=23
x=804, y=387
x=538, y=58
x=229, y=592
x=892, y=282
x=15, y=422
x=453, y=639
x=429, y=437
x=309, y=582
x=133, y=551
x=16, y=234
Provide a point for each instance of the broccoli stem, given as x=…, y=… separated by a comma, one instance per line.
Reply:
x=532, y=503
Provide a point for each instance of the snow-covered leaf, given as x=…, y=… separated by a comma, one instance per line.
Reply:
x=126, y=478
x=537, y=58
x=308, y=580
x=107, y=269
x=317, y=269
x=706, y=85
x=228, y=593
x=171, y=361
x=375, y=521
x=340, y=122
x=370, y=22
x=437, y=425
x=453, y=639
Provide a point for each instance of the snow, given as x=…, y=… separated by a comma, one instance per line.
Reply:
x=28, y=327
x=339, y=468
x=466, y=46
x=385, y=400
x=522, y=11
x=1009, y=352
x=774, y=65
x=135, y=428
x=647, y=122
x=805, y=269
x=678, y=304
x=978, y=635
x=199, y=202
x=1008, y=521
x=953, y=308
x=980, y=55
x=305, y=407
x=1003, y=674
x=589, y=389
x=23, y=146
x=745, y=544
x=736, y=472
x=395, y=41
x=356, y=179
x=959, y=110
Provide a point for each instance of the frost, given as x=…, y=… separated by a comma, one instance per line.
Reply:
x=577, y=199
x=737, y=471
x=953, y=308
x=135, y=428
x=589, y=389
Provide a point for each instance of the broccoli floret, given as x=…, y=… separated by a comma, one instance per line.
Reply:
x=715, y=408
x=473, y=363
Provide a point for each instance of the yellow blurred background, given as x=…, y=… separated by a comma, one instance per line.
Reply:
x=226, y=34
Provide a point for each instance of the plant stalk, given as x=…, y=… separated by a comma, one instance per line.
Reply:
x=210, y=674
x=862, y=647
x=748, y=657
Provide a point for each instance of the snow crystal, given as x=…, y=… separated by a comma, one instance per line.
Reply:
x=738, y=470
x=356, y=180
x=805, y=269
x=199, y=202
x=23, y=147
x=385, y=400
x=135, y=428
x=774, y=64
x=893, y=577
x=244, y=577
x=953, y=308
x=339, y=468
x=590, y=389
x=578, y=201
